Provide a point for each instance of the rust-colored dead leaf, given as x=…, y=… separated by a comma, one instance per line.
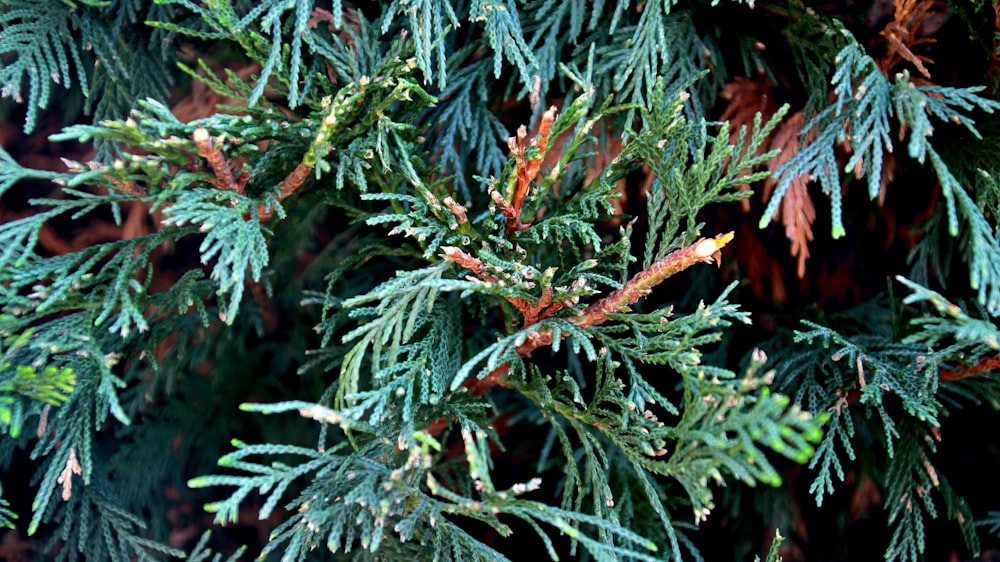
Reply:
x=866, y=496
x=66, y=476
x=746, y=98
x=912, y=21
x=797, y=211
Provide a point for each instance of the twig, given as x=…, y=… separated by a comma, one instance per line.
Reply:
x=705, y=250
x=985, y=365
x=471, y=263
x=292, y=182
x=455, y=209
x=223, y=173
x=532, y=312
x=528, y=164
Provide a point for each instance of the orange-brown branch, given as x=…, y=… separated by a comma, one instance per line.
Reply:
x=704, y=250
x=527, y=169
x=292, y=182
x=985, y=365
x=224, y=178
x=469, y=262
x=223, y=173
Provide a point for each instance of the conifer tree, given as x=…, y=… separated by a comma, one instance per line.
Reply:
x=304, y=280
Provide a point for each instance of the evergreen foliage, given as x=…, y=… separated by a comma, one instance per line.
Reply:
x=426, y=279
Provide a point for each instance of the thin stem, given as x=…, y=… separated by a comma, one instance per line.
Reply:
x=292, y=182
x=528, y=157
x=223, y=173
x=705, y=250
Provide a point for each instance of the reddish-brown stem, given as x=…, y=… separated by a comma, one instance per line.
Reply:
x=471, y=263
x=523, y=185
x=224, y=178
x=704, y=250
x=477, y=387
x=532, y=312
x=507, y=210
x=527, y=170
x=985, y=364
x=223, y=173
x=542, y=143
x=292, y=182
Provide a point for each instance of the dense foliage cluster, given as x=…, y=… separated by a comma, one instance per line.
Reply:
x=438, y=280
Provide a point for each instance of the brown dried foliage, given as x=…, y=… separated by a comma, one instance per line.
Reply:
x=797, y=211
x=912, y=21
x=746, y=98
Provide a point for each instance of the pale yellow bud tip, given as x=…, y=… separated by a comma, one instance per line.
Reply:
x=710, y=246
x=200, y=135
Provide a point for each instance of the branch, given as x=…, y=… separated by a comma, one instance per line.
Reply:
x=985, y=365
x=529, y=159
x=223, y=173
x=705, y=250
x=532, y=312
x=292, y=182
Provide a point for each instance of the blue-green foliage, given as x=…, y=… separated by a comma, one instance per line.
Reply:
x=77, y=317
x=233, y=245
x=7, y=517
x=97, y=527
x=100, y=48
x=39, y=36
x=402, y=367
x=880, y=371
x=693, y=170
x=872, y=364
x=865, y=102
x=251, y=31
x=636, y=60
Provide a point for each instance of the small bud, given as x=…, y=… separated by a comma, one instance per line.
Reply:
x=200, y=136
x=706, y=248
